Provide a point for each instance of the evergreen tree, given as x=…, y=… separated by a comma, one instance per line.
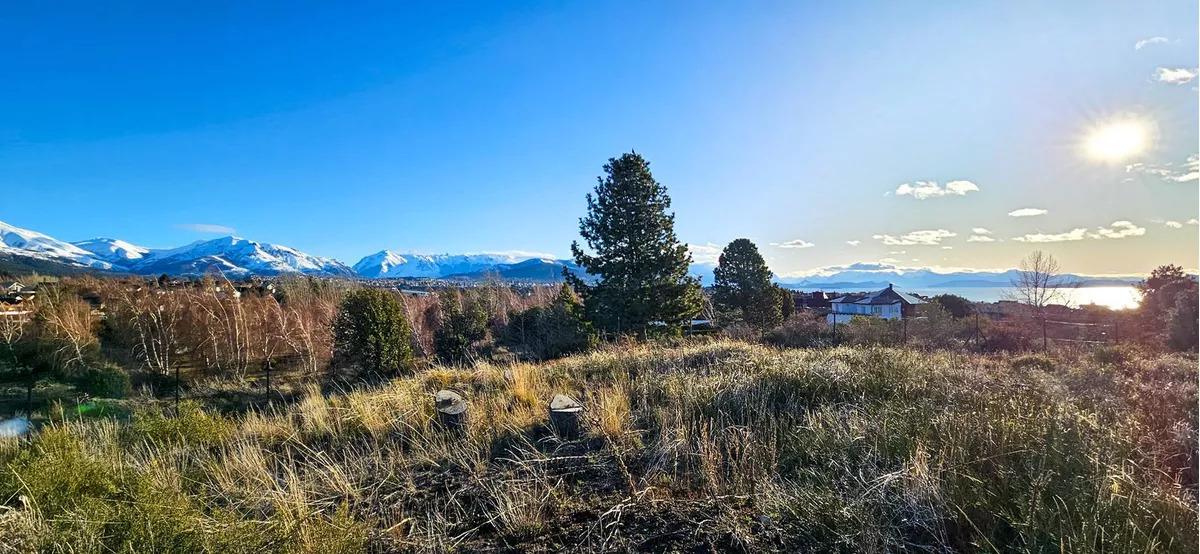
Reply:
x=742, y=287
x=1160, y=290
x=545, y=332
x=1183, y=327
x=955, y=305
x=464, y=323
x=372, y=331
x=787, y=302
x=639, y=265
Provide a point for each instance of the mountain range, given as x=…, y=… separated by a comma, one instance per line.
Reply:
x=871, y=276
x=23, y=250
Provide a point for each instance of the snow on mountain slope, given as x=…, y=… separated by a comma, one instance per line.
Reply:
x=15, y=240
x=237, y=256
x=114, y=251
x=386, y=263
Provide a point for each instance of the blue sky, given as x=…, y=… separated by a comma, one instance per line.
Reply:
x=464, y=127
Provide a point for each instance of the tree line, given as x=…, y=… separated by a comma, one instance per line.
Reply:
x=636, y=285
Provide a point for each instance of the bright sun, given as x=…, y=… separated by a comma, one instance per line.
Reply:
x=1117, y=141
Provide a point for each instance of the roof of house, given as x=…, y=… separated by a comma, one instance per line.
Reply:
x=885, y=296
x=889, y=296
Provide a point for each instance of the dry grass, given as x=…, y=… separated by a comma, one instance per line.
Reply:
x=719, y=446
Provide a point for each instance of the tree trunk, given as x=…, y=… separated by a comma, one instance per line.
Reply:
x=451, y=410
x=565, y=413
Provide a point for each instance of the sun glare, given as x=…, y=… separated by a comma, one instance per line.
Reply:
x=1118, y=140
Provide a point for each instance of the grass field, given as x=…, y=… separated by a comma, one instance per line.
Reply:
x=720, y=446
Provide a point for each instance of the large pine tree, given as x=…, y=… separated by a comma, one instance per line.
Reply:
x=640, y=267
x=742, y=287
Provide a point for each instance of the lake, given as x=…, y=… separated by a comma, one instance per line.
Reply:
x=1117, y=298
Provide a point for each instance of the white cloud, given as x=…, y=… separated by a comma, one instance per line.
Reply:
x=1193, y=221
x=1118, y=230
x=980, y=231
x=1173, y=224
x=947, y=248
x=1078, y=233
x=1027, y=212
x=1188, y=171
x=931, y=189
x=207, y=228
x=704, y=253
x=854, y=242
x=1148, y=41
x=798, y=243
x=929, y=237
x=1174, y=75
x=980, y=238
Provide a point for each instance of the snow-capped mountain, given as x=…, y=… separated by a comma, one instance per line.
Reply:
x=236, y=256
x=536, y=269
x=113, y=251
x=386, y=263
x=23, y=242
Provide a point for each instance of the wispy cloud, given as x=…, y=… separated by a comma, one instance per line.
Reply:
x=928, y=237
x=207, y=228
x=1148, y=41
x=1193, y=221
x=798, y=243
x=980, y=231
x=1173, y=224
x=980, y=238
x=854, y=242
x=1118, y=230
x=931, y=189
x=1174, y=75
x=705, y=253
x=1027, y=212
x=1078, y=233
x=1188, y=171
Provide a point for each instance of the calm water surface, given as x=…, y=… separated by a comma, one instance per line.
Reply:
x=1117, y=298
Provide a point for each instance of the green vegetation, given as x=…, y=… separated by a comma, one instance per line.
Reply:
x=642, y=286
x=553, y=331
x=464, y=319
x=372, y=330
x=717, y=446
x=742, y=288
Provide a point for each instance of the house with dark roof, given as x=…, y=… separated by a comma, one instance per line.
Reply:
x=887, y=303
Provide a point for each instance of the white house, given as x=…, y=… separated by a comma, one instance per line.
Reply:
x=888, y=303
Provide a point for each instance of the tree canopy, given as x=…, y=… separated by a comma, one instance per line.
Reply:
x=638, y=265
x=742, y=287
x=372, y=330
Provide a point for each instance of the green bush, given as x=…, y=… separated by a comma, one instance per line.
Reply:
x=105, y=381
x=372, y=331
x=547, y=332
x=191, y=425
x=464, y=323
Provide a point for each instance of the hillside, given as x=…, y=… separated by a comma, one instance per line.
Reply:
x=712, y=447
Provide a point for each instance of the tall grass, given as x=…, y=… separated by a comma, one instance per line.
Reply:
x=722, y=446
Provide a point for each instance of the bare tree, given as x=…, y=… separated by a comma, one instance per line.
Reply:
x=66, y=323
x=1039, y=282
